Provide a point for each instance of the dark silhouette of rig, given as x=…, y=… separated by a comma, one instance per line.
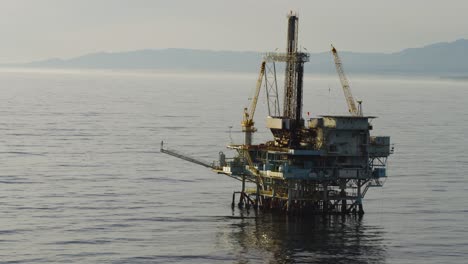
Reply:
x=322, y=165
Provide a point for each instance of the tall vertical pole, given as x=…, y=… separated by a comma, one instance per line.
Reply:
x=289, y=85
x=299, y=83
x=248, y=137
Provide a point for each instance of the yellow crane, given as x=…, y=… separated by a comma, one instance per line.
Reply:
x=248, y=128
x=345, y=84
x=247, y=121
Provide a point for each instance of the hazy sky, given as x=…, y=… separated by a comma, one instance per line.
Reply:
x=37, y=29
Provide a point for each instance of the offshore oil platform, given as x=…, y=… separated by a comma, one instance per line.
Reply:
x=322, y=165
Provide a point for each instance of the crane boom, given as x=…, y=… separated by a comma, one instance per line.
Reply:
x=253, y=105
x=247, y=122
x=345, y=84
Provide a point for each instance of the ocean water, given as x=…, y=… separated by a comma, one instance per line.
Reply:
x=82, y=179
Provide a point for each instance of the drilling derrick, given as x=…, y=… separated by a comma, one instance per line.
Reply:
x=322, y=165
x=285, y=128
x=294, y=73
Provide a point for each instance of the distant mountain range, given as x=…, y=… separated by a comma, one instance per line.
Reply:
x=442, y=59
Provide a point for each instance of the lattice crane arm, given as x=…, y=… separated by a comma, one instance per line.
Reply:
x=345, y=84
x=250, y=112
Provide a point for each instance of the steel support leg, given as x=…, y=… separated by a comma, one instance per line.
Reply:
x=241, y=198
x=359, y=199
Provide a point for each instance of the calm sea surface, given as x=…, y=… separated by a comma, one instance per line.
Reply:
x=82, y=179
